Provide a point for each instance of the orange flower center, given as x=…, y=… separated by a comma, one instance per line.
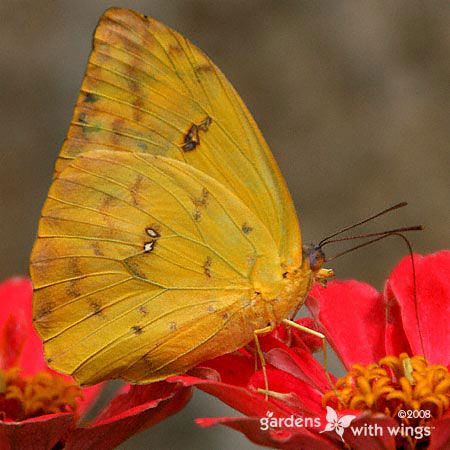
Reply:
x=394, y=384
x=22, y=397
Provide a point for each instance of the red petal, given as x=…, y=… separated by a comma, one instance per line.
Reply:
x=40, y=433
x=129, y=413
x=301, y=364
x=440, y=435
x=19, y=343
x=234, y=380
x=292, y=439
x=395, y=338
x=234, y=368
x=296, y=360
x=433, y=306
x=300, y=397
x=379, y=440
x=90, y=395
x=240, y=398
x=352, y=316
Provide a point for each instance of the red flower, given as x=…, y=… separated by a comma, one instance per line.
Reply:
x=40, y=409
x=363, y=326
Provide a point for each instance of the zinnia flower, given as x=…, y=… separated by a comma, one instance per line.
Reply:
x=41, y=409
x=395, y=346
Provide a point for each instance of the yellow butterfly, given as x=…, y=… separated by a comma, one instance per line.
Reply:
x=168, y=236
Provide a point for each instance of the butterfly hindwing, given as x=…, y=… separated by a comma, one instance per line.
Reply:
x=144, y=266
x=147, y=89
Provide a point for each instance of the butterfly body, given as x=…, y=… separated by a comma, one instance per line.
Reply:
x=251, y=314
x=168, y=236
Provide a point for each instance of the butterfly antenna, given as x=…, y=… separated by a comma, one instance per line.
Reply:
x=367, y=235
x=381, y=235
x=416, y=305
x=350, y=227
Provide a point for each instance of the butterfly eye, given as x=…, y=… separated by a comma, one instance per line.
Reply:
x=316, y=257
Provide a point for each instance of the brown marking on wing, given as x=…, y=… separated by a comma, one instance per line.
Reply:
x=96, y=307
x=137, y=111
x=82, y=118
x=136, y=329
x=149, y=363
x=197, y=215
x=207, y=266
x=143, y=310
x=134, y=269
x=117, y=124
x=90, y=98
x=202, y=200
x=246, y=228
x=44, y=310
x=175, y=49
x=135, y=188
x=74, y=267
x=203, y=68
x=96, y=248
x=192, y=138
x=106, y=203
x=72, y=289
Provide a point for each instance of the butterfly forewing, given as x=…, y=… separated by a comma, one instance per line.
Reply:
x=147, y=89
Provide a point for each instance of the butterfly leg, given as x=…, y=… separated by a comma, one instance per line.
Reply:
x=292, y=324
x=256, y=333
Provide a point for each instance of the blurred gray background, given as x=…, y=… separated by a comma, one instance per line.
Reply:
x=353, y=98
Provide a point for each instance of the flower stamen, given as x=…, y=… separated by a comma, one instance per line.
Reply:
x=392, y=384
x=23, y=397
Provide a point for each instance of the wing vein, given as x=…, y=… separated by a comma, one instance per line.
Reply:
x=115, y=341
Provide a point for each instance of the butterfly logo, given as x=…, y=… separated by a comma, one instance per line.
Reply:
x=336, y=423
